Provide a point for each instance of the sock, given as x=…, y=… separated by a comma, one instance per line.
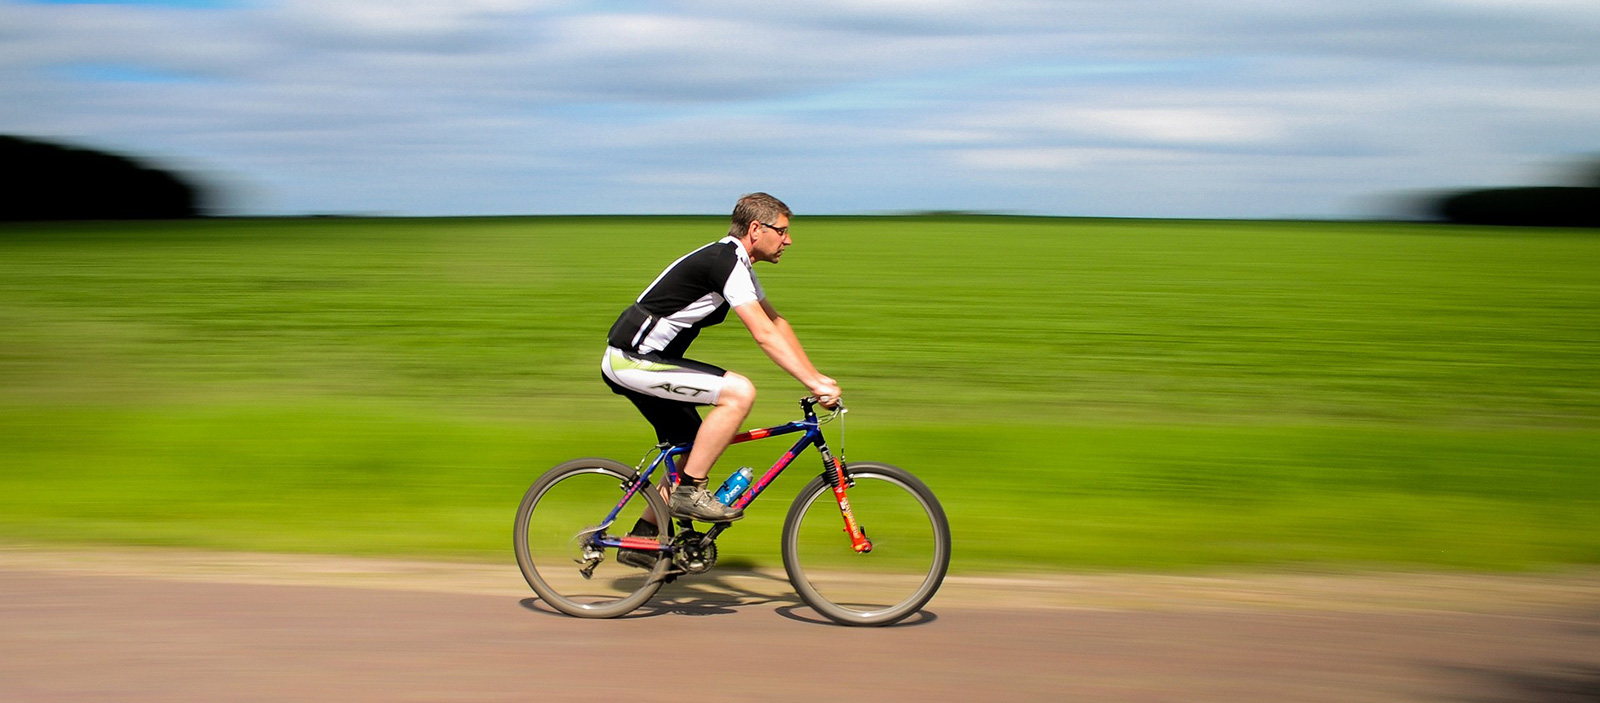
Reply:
x=691, y=482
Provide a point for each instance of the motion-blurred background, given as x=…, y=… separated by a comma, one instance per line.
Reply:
x=1149, y=108
x=1276, y=385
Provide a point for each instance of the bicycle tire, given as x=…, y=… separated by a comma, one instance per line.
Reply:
x=909, y=557
x=562, y=506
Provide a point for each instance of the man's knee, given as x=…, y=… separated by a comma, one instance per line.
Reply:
x=737, y=390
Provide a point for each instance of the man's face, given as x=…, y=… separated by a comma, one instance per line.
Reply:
x=769, y=239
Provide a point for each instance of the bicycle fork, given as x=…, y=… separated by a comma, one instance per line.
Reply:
x=838, y=480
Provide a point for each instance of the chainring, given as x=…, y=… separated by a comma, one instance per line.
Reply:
x=690, y=555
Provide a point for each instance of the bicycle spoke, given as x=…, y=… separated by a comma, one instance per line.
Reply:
x=557, y=547
x=910, y=548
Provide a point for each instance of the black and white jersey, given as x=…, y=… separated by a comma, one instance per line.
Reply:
x=693, y=293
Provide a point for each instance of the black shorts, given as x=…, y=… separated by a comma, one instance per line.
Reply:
x=668, y=392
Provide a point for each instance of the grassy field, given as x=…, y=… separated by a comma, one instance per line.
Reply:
x=1083, y=394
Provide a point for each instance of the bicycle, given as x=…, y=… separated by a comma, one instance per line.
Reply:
x=843, y=574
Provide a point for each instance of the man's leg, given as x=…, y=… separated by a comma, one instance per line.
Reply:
x=666, y=390
x=720, y=425
x=675, y=421
x=690, y=499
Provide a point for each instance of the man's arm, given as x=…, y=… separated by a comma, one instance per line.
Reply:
x=787, y=331
x=778, y=341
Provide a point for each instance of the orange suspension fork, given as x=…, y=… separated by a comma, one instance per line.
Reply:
x=833, y=472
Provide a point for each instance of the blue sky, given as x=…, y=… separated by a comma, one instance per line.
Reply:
x=1163, y=108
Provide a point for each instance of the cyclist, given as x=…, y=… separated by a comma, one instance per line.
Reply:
x=645, y=355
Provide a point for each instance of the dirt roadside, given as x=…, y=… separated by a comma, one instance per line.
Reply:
x=1333, y=592
x=161, y=625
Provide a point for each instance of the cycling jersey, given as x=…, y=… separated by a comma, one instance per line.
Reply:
x=644, y=358
x=693, y=293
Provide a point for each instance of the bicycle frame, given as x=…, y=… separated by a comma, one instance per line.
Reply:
x=811, y=427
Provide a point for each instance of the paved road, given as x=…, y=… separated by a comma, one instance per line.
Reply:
x=81, y=636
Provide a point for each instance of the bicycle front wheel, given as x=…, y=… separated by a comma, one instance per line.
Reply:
x=910, y=546
x=558, y=524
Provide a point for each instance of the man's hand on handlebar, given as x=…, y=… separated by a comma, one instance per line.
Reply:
x=827, y=392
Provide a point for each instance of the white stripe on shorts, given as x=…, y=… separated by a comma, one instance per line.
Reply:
x=661, y=379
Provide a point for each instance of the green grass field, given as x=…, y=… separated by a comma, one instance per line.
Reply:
x=1083, y=394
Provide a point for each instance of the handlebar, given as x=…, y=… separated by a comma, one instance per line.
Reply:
x=809, y=403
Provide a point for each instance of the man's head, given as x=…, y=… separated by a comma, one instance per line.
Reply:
x=761, y=222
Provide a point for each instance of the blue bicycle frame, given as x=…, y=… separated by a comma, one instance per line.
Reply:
x=833, y=473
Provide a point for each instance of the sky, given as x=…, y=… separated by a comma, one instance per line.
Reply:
x=1121, y=108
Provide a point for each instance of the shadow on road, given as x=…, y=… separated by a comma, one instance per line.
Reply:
x=1571, y=682
x=726, y=594
x=700, y=596
x=1565, y=684
x=801, y=613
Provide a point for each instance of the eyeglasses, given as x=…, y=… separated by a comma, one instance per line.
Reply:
x=782, y=231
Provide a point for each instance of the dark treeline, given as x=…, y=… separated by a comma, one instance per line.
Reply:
x=1548, y=206
x=58, y=182
x=1534, y=206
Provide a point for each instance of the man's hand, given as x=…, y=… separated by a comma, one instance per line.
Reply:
x=827, y=392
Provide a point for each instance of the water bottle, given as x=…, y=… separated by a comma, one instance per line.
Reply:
x=735, y=486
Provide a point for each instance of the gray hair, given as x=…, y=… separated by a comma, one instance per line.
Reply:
x=756, y=207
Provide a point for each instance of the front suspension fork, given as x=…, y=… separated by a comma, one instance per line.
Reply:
x=833, y=472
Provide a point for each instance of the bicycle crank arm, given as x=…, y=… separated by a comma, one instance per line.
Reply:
x=711, y=534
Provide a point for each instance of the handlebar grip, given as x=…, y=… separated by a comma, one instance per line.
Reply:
x=811, y=400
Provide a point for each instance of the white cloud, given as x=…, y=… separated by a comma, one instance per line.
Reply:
x=623, y=34
x=1058, y=159
x=404, y=17
x=1182, y=125
x=1170, y=125
x=1243, y=107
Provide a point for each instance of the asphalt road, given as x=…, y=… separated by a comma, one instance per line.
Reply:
x=87, y=634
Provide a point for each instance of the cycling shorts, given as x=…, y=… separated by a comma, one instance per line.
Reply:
x=682, y=380
x=664, y=390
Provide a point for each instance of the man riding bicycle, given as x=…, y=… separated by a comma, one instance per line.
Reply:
x=645, y=355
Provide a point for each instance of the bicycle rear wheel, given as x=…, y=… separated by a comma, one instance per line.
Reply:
x=556, y=529
x=910, y=547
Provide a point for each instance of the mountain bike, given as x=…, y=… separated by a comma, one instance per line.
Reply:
x=872, y=552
